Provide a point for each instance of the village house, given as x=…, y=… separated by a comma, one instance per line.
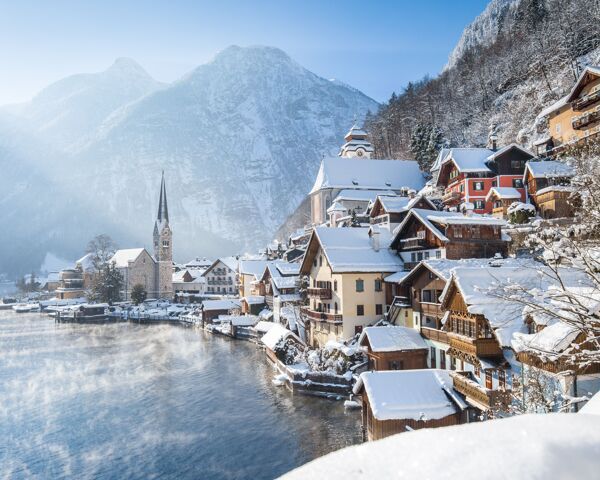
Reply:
x=280, y=282
x=345, y=269
x=468, y=174
x=70, y=284
x=501, y=199
x=394, y=348
x=357, y=179
x=399, y=401
x=212, y=309
x=249, y=274
x=189, y=284
x=221, y=276
x=548, y=185
x=389, y=211
x=138, y=267
x=425, y=234
x=575, y=117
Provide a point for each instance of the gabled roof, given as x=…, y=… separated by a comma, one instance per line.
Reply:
x=350, y=250
x=211, y=305
x=392, y=339
x=580, y=83
x=253, y=267
x=469, y=159
x=410, y=394
x=362, y=195
x=86, y=262
x=440, y=158
x=121, y=258
x=512, y=146
x=432, y=219
x=229, y=262
x=397, y=204
x=368, y=174
x=548, y=169
x=286, y=268
x=503, y=193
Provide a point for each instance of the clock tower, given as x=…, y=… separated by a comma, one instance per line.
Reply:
x=163, y=246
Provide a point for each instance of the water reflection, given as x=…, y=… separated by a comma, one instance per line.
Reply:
x=132, y=401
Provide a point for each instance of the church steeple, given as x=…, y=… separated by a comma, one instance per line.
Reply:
x=357, y=144
x=163, y=209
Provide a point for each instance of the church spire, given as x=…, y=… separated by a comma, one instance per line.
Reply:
x=163, y=209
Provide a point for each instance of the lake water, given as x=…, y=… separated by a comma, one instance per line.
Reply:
x=132, y=401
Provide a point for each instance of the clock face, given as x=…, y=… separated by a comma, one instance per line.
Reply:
x=359, y=153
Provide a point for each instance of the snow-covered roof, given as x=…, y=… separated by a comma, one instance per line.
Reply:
x=399, y=204
x=179, y=276
x=396, y=277
x=469, y=159
x=351, y=250
x=527, y=447
x=368, y=174
x=264, y=326
x=253, y=267
x=362, y=195
x=121, y=258
x=392, y=339
x=86, y=262
x=220, y=304
x=555, y=188
x=579, y=83
x=230, y=262
x=199, y=263
x=549, y=169
x=239, y=320
x=274, y=335
x=504, y=193
x=552, y=339
x=286, y=282
x=440, y=158
x=254, y=299
x=286, y=268
x=484, y=291
x=553, y=107
x=336, y=207
x=505, y=149
x=409, y=394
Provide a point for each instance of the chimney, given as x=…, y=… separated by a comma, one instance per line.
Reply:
x=493, y=138
x=375, y=238
x=412, y=193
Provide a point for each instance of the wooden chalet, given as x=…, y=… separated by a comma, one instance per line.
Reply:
x=548, y=185
x=426, y=234
x=399, y=401
x=211, y=309
x=502, y=198
x=394, y=348
x=391, y=210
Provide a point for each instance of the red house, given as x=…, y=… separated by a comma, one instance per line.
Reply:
x=468, y=174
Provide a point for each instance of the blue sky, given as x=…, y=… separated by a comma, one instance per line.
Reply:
x=376, y=46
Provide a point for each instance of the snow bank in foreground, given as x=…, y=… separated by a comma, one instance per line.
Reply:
x=557, y=446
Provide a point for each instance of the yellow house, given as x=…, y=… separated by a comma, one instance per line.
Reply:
x=345, y=269
x=576, y=116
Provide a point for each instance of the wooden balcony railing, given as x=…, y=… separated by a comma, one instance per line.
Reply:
x=320, y=316
x=451, y=197
x=482, y=396
x=322, y=293
x=479, y=347
x=585, y=119
x=586, y=100
x=414, y=242
x=435, y=335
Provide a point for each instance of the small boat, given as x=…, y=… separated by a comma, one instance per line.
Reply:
x=26, y=307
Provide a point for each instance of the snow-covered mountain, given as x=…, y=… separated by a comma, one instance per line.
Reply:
x=484, y=30
x=68, y=112
x=240, y=140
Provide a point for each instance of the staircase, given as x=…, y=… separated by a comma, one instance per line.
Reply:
x=397, y=304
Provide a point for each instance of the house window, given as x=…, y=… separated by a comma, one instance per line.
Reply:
x=378, y=285
x=457, y=231
x=438, y=254
x=320, y=261
x=517, y=164
x=479, y=204
x=421, y=234
x=502, y=379
x=442, y=360
x=478, y=186
x=360, y=310
x=165, y=243
x=378, y=309
x=494, y=183
x=517, y=182
x=426, y=296
x=335, y=285
x=358, y=329
x=360, y=285
x=413, y=257
x=315, y=262
x=476, y=232
x=461, y=188
x=432, y=361
x=396, y=365
x=335, y=308
x=488, y=379
x=419, y=256
x=477, y=370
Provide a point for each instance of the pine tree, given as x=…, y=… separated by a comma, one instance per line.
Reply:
x=107, y=285
x=425, y=144
x=138, y=294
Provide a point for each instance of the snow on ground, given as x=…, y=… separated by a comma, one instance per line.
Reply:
x=527, y=447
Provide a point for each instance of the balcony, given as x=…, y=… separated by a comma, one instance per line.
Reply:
x=584, y=120
x=414, y=242
x=586, y=100
x=435, y=335
x=452, y=197
x=320, y=293
x=478, y=347
x=483, y=397
x=306, y=312
x=381, y=219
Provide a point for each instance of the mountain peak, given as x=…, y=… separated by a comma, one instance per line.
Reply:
x=127, y=66
x=235, y=52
